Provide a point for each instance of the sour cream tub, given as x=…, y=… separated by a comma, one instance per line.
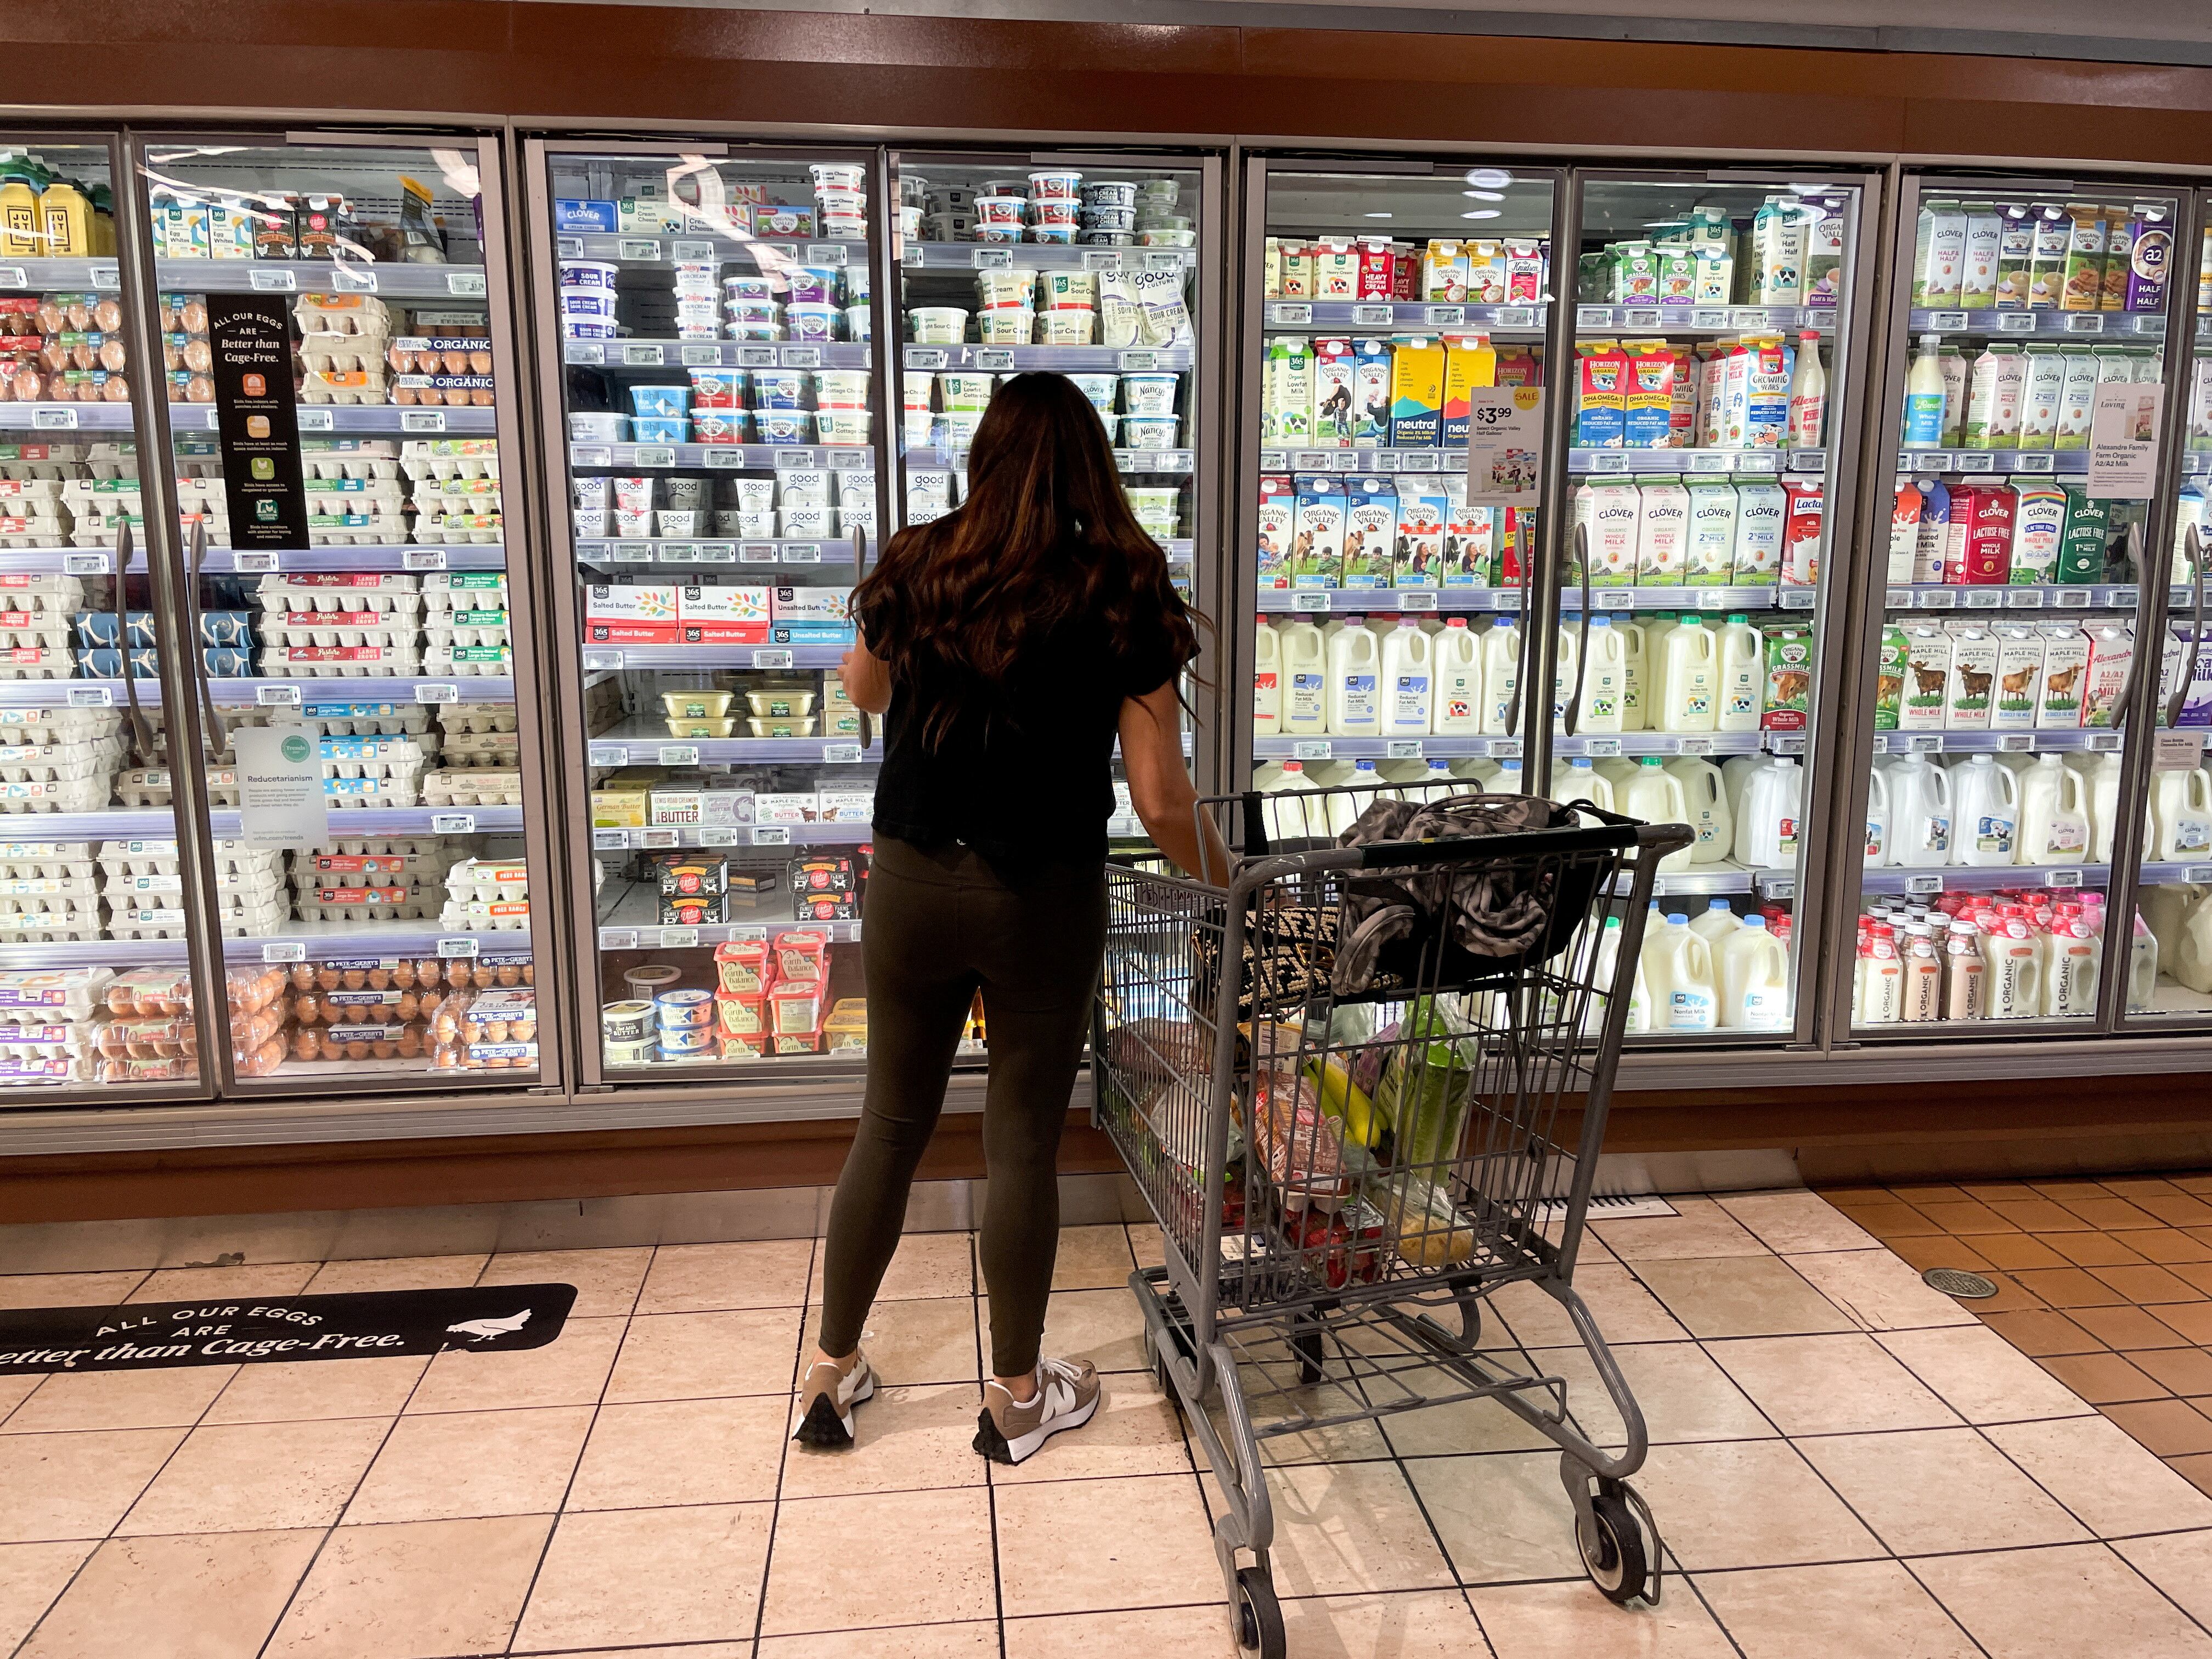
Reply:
x=588, y=273
x=626, y=1022
x=593, y=428
x=1066, y=327
x=938, y=325
x=1005, y=326
x=999, y=209
x=684, y=1010
x=1148, y=432
x=1010, y=287
x=590, y=301
x=1149, y=393
x=590, y=328
x=754, y=330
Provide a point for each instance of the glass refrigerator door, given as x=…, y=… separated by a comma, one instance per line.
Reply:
x=370, y=773
x=720, y=391
x=1087, y=267
x=95, y=984
x=1714, y=319
x=1389, y=650
x=2034, y=316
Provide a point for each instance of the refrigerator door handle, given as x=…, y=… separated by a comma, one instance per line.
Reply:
x=2193, y=550
x=1528, y=589
x=1574, y=714
x=141, y=728
x=2128, y=685
x=218, y=733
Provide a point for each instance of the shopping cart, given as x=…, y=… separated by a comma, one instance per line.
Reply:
x=1349, y=1146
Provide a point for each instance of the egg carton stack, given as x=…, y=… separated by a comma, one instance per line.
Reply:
x=479, y=755
x=148, y=781
x=372, y=771
x=343, y=340
x=99, y=508
x=60, y=348
x=455, y=483
x=49, y=890
x=445, y=358
x=35, y=612
x=340, y=623
x=114, y=459
x=187, y=363
x=31, y=514
x=60, y=764
x=144, y=885
x=394, y=878
x=465, y=624
x=360, y=458
x=146, y=1033
x=357, y=512
x=487, y=895
x=370, y=717
x=47, y=1024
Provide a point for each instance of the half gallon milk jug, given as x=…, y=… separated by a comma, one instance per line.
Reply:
x=1363, y=786
x=1602, y=972
x=1654, y=795
x=2070, y=976
x=2054, y=818
x=2142, y=965
x=1577, y=780
x=2014, y=958
x=1457, y=651
x=1501, y=673
x=1920, y=816
x=2181, y=814
x=1689, y=682
x=1267, y=681
x=1678, y=968
x=1766, y=827
x=1735, y=772
x=1635, y=678
x=1408, y=680
x=1291, y=819
x=1715, y=923
x=1565, y=669
x=1304, y=675
x=1354, y=701
x=1755, y=970
x=1878, y=819
x=1706, y=791
x=1605, y=678
x=2100, y=778
x=1985, y=803
x=1742, y=676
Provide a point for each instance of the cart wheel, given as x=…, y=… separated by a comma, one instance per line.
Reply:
x=1614, y=1558
x=1259, y=1615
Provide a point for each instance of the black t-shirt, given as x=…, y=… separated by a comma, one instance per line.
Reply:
x=1022, y=775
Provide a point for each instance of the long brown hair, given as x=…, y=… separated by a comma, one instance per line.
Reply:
x=1045, y=537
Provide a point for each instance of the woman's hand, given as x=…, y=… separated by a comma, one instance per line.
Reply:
x=867, y=680
x=1160, y=787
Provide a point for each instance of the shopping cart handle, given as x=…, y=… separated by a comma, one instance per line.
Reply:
x=1529, y=843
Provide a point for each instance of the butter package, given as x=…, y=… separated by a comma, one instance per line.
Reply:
x=642, y=603
x=804, y=633
x=1370, y=532
x=1417, y=393
x=1371, y=391
x=1317, y=539
x=705, y=809
x=1419, y=560
x=723, y=604
x=1601, y=402
x=1469, y=362
x=1648, y=420
x=1278, y=523
x=806, y=604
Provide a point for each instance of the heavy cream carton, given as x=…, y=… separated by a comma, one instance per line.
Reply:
x=1470, y=545
x=1927, y=679
x=2065, y=678
x=1423, y=514
x=1279, y=505
x=2112, y=651
x=2019, y=679
x=1371, y=392
x=1334, y=389
x=1370, y=532
x=1318, y=541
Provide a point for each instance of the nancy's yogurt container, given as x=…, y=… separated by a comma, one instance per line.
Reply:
x=814, y=322
x=1149, y=393
x=938, y=325
x=590, y=426
x=841, y=388
x=841, y=426
x=999, y=209
x=1149, y=432
x=588, y=273
x=779, y=388
x=1109, y=193
x=784, y=426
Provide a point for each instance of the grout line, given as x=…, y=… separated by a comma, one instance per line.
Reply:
x=783, y=1449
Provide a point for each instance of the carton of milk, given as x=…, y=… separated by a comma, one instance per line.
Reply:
x=1760, y=512
x=1469, y=547
x=1279, y=503
x=1927, y=679
x=1601, y=404
x=2111, y=651
x=1422, y=516
x=1648, y=420
x=1371, y=391
x=1711, y=555
x=1609, y=512
x=1971, y=691
x=1317, y=539
x=1469, y=362
x=1939, y=254
x=2038, y=523
x=1417, y=393
x=1370, y=532
x=1333, y=393
x=2019, y=679
x=2065, y=676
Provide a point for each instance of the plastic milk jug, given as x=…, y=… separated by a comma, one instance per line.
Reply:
x=1715, y=923
x=1742, y=676
x=1678, y=967
x=2054, y=818
x=2014, y=960
x=1457, y=706
x=1689, y=682
x=1655, y=795
x=1635, y=675
x=2069, y=979
x=1985, y=802
x=1920, y=816
x=1878, y=819
x=1706, y=792
x=1754, y=972
x=1408, y=681
x=1267, y=681
x=1605, y=678
x=1304, y=676
x=1766, y=828
x=2181, y=814
x=1501, y=673
x=1577, y=780
x=1354, y=696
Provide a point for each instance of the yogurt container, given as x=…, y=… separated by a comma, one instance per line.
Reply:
x=633, y=524
x=750, y=494
x=634, y=492
x=684, y=494
x=660, y=399
x=1055, y=212
x=1149, y=393
x=754, y=330
x=812, y=321
x=588, y=273
x=949, y=227
x=999, y=209
x=688, y=1042
x=591, y=522
x=1052, y=183
x=594, y=428
x=658, y=429
x=721, y=426
x=1099, y=388
x=860, y=323
x=841, y=388
x=626, y=1022
x=684, y=1010
x=785, y=426
x=651, y=980
x=589, y=491
x=1110, y=194
x=1062, y=234
x=678, y=522
x=806, y=523
x=1160, y=505
x=1148, y=432
x=812, y=285
x=842, y=426
x=938, y=325
x=779, y=388
x=1066, y=327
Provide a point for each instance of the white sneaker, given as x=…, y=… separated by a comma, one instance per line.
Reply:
x=830, y=1395
x=1009, y=1430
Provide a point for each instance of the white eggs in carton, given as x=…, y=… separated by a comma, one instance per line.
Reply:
x=57, y=725
x=445, y=592
x=337, y=661
x=350, y=458
x=467, y=717
x=51, y=996
x=469, y=661
x=487, y=880
x=349, y=717
x=122, y=861
x=449, y=457
x=48, y=860
x=86, y=794
x=23, y=591
x=472, y=786
x=340, y=591
x=473, y=750
x=359, y=314
x=36, y=630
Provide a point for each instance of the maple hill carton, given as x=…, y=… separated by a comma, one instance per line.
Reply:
x=2065, y=676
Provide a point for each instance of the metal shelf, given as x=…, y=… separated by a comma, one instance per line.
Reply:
x=2019, y=596
x=646, y=741
x=319, y=420
x=1720, y=463
x=1410, y=601
x=1128, y=460
x=356, y=688
x=663, y=550
x=644, y=354
x=715, y=457
x=1041, y=256
x=2126, y=326
x=701, y=244
x=1067, y=359
x=681, y=659
x=1993, y=462
x=1349, y=316
x=160, y=824
x=660, y=838
x=1982, y=878
x=1705, y=320
x=1501, y=748
x=1996, y=743
x=321, y=941
x=256, y=276
x=221, y=561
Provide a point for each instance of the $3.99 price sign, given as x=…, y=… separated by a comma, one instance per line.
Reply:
x=1505, y=445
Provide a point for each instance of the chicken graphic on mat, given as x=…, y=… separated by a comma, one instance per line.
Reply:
x=483, y=1330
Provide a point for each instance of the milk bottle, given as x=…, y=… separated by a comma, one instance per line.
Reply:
x=1605, y=677
x=1603, y=973
x=1678, y=967
x=1267, y=681
x=1288, y=818
x=1951, y=363
x=1880, y=977
x=1920, y=816
x=1608, y=513
x=2181, y=814
x=1924, y=395
x=2014, y=960
x=2070, y=977
x=1689, y=683
x=1808, y=394
x=1501, y=673
x=1565, y=673
x=1754, y=975
x=1923, y=974
x=1635, y=680
x=1661, y=530
x=1474, y=776
x=2054, y=823
x=1766, y=824
x=1458, y=705
x=1304, y=674
x=1715, y=924
x=1364, y=784
x=1778, y=238
x=1966, y=976
x=1985, y=799
x=1655, y=796
x=1408, y=680
x=1354, y=701
x=1580, y=781
x=1408, y=778
x=1742, y=676
x=1878, y=819
x=1761, y=509
x=1706, y=792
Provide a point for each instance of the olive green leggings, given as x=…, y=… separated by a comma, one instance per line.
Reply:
x=941, y=925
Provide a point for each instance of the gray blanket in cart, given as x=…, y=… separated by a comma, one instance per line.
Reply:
x=1494, y=911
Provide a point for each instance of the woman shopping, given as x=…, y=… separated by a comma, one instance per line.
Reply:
x=1009, y=643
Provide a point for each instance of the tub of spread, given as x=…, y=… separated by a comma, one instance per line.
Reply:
x=741, y=965
x=938, y=325
x=626, y=1022
x=1059, y=233
x=651, y=980
x=684, y=1010
x=740, y=1013
x=1110, y=194
x=696, y=705
x=1055, y=213
x=780, y=705
x=697, y=727
x=780, y=728
x=629, y=1053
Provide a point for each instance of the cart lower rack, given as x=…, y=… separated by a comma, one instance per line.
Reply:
x=1345, y=1082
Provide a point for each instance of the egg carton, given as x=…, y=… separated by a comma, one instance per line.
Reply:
x=124, y=860
x=403, y=719
x=488, y=880
x=473, y=786
x=46, y=996
x=24, y=1042
x=369, y=756
x=324, y=628
x=472, y=750
x=151, y=786
x=342, y=592
x=50, y=725
x=339, y=661
x=68, y=893
x=36, y=663
x=141, y=923
x=14, y=491
x=485, y=916
x=455, y=529
x=55, y=1071
x=377, y=467
x=86, y=794
x=50, y=927
x=235, y=855
x=60, y=763
x=473, y=717
x=423, y=867
x=327, y=352
x=47, y=860
x=253, y=921
x=401, y=790
x=449, y=457
x=445, y=592
x=364, y=904
x=24, y=534
x=452, y=628
x=36, y=630
x=30, y=745
x=469, y=661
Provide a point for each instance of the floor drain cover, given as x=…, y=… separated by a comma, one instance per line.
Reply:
x=1957, y=1281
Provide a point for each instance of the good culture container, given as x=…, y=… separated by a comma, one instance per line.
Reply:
x=938, y=325
x=803, y=522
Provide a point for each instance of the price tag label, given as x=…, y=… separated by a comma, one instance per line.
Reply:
x=1173, y=460
x=1592, y=316
x=1639, y=317
x=1709, y=461
x=699, y=356
x=1709, y=317
x=1808, y=460
x=1947, y=322
x=1924, y=743
x=53, y=417
x=1516, y=316
x=2123, y=598
x=1310, y=599
x=638, y=247
x=608, y=754
x=431, y=693
x=802, y=553
x=353, y=278
x=609, y=841
x=2024, y=599
x=1975, y=461
x=2196, y=874
x=91, y=697
x=453, y=823
x=2104, y=743
x=1313, y=460
x=427, y=558
x=772, y=835
x=596, y=662
x=421, y=420
x=1780, y=743
x=756, y=356
x=465, y=285
x=108, y=278
x=1798, y=599
x=757, y=553
x=2062, y=877
x=680, y=939
x=99, y=564
x=284, y=950
x=1778, y=887
x=1373, y=316
x=1712, y=598
x=1742, y=316
x=1939, y=598
x=1311, y=748
x=1420, y=460
x=2087, y=323
x=1984, y=599
x=2015, y=743
x=840, y=754
x=1506, y=599
x=796, y=460
x=1898, y=598
x=1599, y=748
x=1139, y=362
x=827, y=254
x=1505, y=747
x=660, y=838
x=1693, y=745
x=678, y=754
x=642, y=354
x=457, y=947
x=569, y=247
x=993, y=357
x=925, y=357
x=275, y=697
x=590, y=455
x=2016, y=322
x=265, y=279
x=1388, y=460
x=1761, y=460
x=2035, y=464
x=802, y=356
x=727, y=458
x=2072, y=598
x=991, y=259
x=674, y=552
x=714, y=552
x=2150, y=324
x=771, y=658
x=721, y=837
x=1434, y=316
x=1418, y=598
x=1608, y=460
x=1402, y=748
x=1923, y=883
x=1614, y=598
x=618, y=939
x=1102, y=258
x=693, y=253
x=1290, y=316
x=315, y=419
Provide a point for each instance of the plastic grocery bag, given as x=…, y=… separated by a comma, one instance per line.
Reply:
x=1427, y=1084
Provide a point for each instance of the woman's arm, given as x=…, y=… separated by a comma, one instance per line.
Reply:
x=867, y=678
x=1160, y=787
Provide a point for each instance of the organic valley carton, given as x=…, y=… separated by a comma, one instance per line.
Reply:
x=1318, y=541
x=1889, y=679
x=1469, y=543
x=1417, y=393
x=2019, y=679
x=1443, y=272
x=2046, y=275
x=2016, y=256
x=2065, y=676
x=1927, y=679
x=2084, y=285
x=1279, y=505
x=1333, y=393
x=1469, y=362
x=1601, y=402
x=1370, y=532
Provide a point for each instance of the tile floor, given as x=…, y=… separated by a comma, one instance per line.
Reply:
x=1844, y=1463
x=2107, y=1284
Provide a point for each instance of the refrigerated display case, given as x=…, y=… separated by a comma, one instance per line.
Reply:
x=2017, y=629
